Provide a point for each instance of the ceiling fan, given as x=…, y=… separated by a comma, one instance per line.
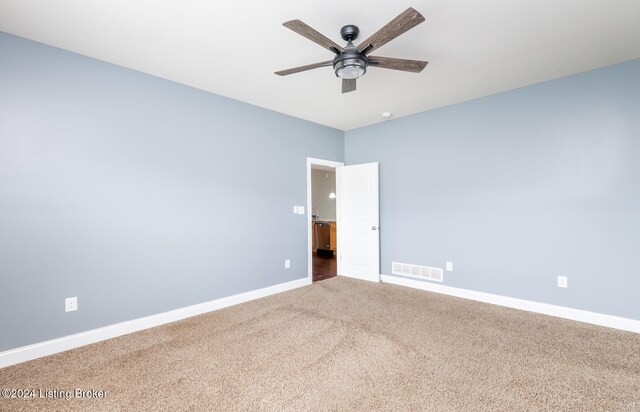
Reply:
x=351, y=61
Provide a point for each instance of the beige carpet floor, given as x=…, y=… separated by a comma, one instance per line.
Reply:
x=343, y=344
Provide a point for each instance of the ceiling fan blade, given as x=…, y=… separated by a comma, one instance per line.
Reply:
x=405, y=21
x=304, y=68
x=307, y=31
x=405, y=65
x=348, y=85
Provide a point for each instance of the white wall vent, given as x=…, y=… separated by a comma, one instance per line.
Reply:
x=415, y=271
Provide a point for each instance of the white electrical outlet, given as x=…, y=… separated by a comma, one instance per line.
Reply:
x=301, y=210
x=71, y=304
x=287, y=264
x=449, y=266
x=295, y=210
x=563, y=282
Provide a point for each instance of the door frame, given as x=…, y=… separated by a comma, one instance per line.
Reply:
x=318, y=162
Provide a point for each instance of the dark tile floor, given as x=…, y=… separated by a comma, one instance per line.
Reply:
x=324, y=265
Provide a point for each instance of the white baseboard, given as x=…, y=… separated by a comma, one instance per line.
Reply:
x=594, y=318
x=38, y=350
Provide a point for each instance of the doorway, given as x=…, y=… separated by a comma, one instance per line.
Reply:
x=357, y=218
x=322, y=219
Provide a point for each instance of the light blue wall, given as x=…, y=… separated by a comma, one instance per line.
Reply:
x=518, y=188
x=138, y=195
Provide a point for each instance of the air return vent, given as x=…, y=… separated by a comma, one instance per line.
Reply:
x=415, y=271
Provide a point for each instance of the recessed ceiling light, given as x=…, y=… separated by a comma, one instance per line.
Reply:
x=387, y=115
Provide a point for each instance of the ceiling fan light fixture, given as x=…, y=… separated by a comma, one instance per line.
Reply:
x=351, y=69
x=350, y=65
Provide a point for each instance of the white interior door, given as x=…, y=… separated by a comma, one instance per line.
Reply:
x=357, y=213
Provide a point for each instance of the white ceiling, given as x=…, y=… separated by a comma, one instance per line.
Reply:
x=232, y=47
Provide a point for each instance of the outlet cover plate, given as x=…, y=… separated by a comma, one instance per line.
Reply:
x=563, y=282
x=71, y=304
x=287, y=264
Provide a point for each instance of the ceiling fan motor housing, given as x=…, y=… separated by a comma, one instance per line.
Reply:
x=351, y=63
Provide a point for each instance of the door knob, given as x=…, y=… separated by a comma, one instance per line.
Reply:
x=374, y=228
